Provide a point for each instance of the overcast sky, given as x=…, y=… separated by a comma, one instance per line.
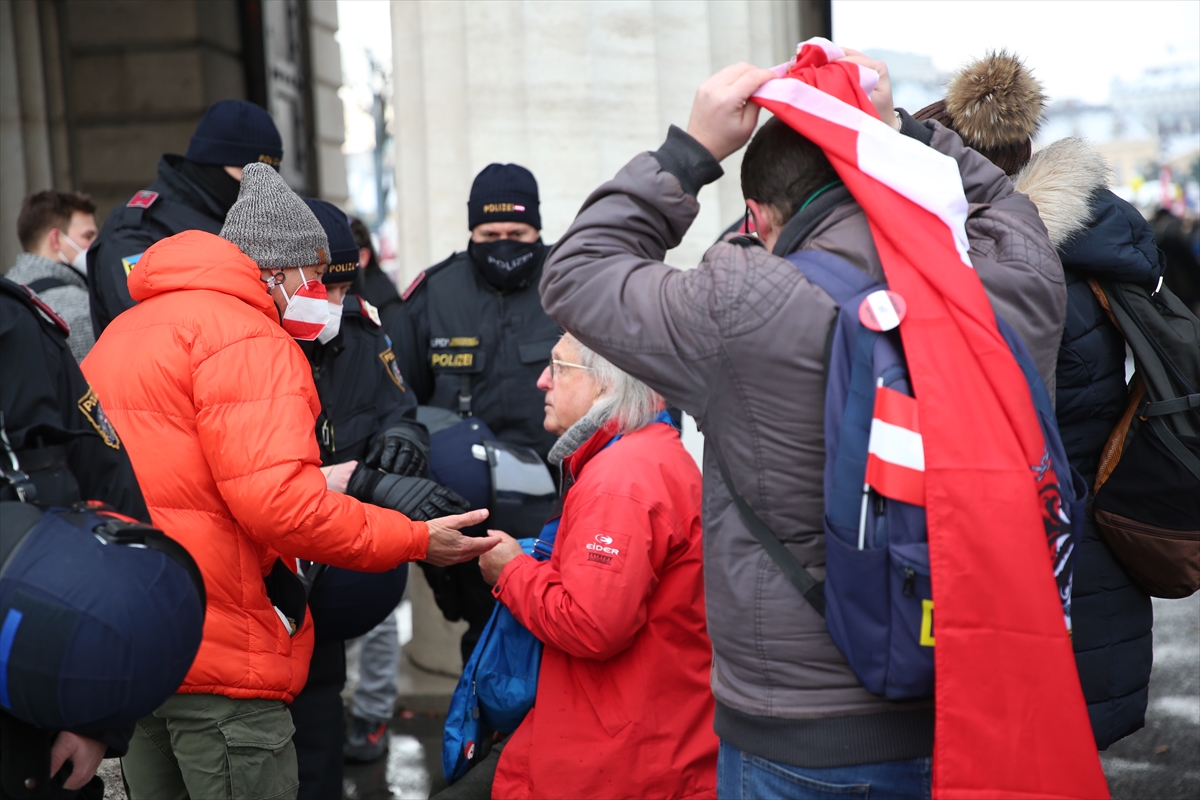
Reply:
x=1076, y=47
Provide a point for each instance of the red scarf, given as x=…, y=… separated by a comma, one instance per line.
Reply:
x=1010, y=716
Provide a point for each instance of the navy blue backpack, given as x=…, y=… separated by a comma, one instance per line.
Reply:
x=877, y=599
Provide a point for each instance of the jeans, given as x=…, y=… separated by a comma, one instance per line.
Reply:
x=741, y=776
x=378, y=672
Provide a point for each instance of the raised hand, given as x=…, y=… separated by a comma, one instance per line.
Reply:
x=722, y=120
x=881, y=95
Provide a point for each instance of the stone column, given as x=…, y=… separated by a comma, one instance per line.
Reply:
x=570, y=90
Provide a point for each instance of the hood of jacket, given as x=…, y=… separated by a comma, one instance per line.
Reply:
x=198, y=260
x=1095, y=231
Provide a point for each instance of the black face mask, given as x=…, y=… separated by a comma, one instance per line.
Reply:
x=221, y=187
x=506, y=263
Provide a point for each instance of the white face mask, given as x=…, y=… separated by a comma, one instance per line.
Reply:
x=330, y=331
x=80, y=261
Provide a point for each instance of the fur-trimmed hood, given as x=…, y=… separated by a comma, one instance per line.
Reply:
x=1061, y=180
x=1094, y=231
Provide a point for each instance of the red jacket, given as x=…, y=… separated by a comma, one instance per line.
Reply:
x=216, y=405
x=623, y=705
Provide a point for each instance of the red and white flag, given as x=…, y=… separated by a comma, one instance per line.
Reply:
x=895, y=452
x=1010, y=719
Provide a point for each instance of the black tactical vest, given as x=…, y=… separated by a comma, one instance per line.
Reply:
x=484, y=350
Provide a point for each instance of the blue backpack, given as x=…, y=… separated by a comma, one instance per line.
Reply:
x=877, y=599
x=499, y=682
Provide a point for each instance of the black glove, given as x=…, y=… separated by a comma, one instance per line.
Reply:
x=415, y=498
x=401, y=451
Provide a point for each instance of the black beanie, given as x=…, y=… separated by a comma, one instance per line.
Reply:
x=235, y=133
x=343, y=250
x=504, y=193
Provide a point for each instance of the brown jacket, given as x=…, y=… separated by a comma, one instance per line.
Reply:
x=739, y=343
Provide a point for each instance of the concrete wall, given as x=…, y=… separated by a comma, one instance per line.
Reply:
x=570, y=90
x=138, y=76
x=92, y=92
x=326, y=75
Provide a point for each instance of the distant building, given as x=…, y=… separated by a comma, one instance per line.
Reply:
x=916, y=82
x=1151, y=120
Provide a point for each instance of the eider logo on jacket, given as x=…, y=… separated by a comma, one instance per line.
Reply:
x=601, y=552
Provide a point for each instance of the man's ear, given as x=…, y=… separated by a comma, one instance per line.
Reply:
x=766, y=221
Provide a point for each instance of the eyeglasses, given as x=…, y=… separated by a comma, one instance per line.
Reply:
x=555, y=362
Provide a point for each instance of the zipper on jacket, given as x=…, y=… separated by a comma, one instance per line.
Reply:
x=910, y=581
x=327, y=436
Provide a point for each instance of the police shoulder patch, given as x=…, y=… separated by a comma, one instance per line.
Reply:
x=143, y=199
x=128, y=262
x=369, y=311
x=89, y=406
x=393, y=369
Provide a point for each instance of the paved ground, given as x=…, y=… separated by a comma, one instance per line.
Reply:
x=1162, y=761
x=1159, y=762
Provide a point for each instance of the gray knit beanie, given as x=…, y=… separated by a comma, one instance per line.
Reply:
x=272, y=225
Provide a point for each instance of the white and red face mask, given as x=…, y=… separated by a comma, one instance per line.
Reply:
x=307, y=311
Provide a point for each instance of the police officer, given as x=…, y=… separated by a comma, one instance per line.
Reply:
x=59, y=446
x=367, y=416
x=193, y=192
x=471, y=337
x=56, y=448
x=373, y=283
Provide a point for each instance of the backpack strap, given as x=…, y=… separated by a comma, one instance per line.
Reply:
x=42, y=284
x=812, y=589
x=838, y=278
x=1172, y=443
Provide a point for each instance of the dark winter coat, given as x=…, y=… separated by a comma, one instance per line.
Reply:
x=1098, y=235
x=171, y=205
x=359, y=382
x=454, y=330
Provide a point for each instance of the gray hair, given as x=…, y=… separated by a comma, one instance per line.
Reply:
x=624, y=398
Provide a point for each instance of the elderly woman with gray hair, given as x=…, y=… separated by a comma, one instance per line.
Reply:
x=623, y=705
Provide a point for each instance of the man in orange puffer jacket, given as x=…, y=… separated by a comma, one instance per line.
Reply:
x=216, y=405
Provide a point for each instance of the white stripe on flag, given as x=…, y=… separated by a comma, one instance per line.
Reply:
x=922, y=174
x=896, y=445
x=885, y=313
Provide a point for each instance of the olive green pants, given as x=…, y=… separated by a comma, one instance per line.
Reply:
x=209, y=747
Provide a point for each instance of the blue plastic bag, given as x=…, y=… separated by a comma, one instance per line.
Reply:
x=499, y=682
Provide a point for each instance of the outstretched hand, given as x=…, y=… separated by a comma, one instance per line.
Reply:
x=447, y=546
x=881, y=95
x=722, y=118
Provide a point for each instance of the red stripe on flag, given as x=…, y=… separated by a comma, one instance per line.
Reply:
x=896, y=408
x=896, y=482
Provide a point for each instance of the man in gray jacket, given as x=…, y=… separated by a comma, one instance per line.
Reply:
x=739, y=343
x=55, y=230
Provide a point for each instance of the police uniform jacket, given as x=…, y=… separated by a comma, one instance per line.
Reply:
x=463, y=344
x=53, y=419
x=171, y=205
x=360, y=384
